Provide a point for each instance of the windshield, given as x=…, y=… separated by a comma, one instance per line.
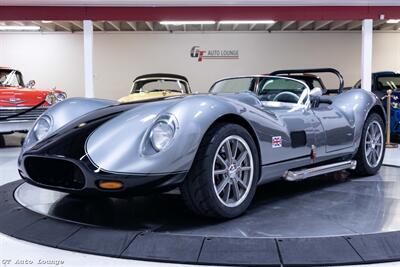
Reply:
x=386, y=83
x=157, y=85
x=267, y=88
x=11, y=78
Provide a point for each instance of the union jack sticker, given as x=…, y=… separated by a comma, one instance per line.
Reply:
x=276, y=141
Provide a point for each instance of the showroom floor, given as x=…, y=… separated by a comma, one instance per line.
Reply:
x=10, y=248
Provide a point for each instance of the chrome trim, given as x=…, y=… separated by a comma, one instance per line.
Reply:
x=315, y=171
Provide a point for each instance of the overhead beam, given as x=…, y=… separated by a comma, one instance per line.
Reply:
x=114, y=25
x=78, y=24
x=354, y=25
x=269, y=26
x=134, y=26
x=287, y=24
x=304, y=24
x=235, y=26
x=99, y=25
x=338, y=24
x=252, y=26
x=64, y=25
x=149, y=25
x=218, y=26
x=388, y=27
x=321, y=24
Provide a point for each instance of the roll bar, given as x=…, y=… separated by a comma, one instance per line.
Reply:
x=316, y=70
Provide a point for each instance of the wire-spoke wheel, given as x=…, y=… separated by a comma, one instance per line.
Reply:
x=372, y=146
x=233, y=171
x=224, y=175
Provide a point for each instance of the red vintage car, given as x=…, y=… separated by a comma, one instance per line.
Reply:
x=20, y=103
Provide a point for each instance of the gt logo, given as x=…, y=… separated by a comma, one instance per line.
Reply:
x=276, y=141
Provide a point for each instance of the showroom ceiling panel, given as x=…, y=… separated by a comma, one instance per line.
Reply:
x=210, y=26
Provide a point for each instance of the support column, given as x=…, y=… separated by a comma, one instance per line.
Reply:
x=88, y=57
x=366, y=54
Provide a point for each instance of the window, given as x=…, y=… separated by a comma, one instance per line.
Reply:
x=154, y=85
x=282, y=90
x=10, y=78
x=386, y=83
x=234, y=85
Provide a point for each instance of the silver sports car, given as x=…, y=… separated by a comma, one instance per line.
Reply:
x=216, y=147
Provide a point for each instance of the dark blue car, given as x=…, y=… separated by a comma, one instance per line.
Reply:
x=381, y=83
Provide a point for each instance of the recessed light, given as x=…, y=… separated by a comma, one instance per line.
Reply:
x=186, y=22
x=247, y=22
x=47, y=21
x=19, y=28
x=393, y=21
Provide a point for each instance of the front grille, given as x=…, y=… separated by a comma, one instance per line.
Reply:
x=31, y=115
x=54, y=172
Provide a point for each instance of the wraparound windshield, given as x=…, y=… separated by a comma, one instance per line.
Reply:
x=11, y=78
x=158, y=85
x=267, y=88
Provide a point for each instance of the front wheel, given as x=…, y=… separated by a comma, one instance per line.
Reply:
x=224, y=175
x=372, y=146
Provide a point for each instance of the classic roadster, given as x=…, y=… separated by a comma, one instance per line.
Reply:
x=20, y=103
x=216, y=147
x=157, y=85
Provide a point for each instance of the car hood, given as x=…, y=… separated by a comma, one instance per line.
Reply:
x=147, y=95
x=22, y=97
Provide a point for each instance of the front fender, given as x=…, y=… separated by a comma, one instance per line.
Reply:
x=117, y=145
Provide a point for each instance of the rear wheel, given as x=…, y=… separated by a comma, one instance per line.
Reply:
x=224, y=175
x=372, y=146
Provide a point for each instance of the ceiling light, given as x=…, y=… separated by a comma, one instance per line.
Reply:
x=247, y=22
x=186, y=22
x=393, y=21
x=47, y=21
x=19, y=28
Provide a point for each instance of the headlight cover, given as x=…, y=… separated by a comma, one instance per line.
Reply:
x=54, y=97
x=163, y=131
x=42, y=127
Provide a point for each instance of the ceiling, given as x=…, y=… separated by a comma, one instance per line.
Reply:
x=197, y=2
x=152, y=26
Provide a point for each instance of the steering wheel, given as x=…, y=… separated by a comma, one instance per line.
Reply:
x=286, y=97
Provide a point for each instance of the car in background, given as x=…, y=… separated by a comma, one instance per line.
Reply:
x=313, y=81
x=20, y=103
x=380, y=84
x=157, y=85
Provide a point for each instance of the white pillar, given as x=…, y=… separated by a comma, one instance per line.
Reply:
x=366, y=54
x=88, y=57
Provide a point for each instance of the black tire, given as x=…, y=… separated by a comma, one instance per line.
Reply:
x=2, y=141
x=363, y=167
x=198, y=188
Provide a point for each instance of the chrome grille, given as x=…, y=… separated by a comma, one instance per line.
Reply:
x=30, y=115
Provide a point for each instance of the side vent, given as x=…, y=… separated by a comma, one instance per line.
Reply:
x=299, y=139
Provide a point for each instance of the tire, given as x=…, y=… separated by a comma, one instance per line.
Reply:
x=200, y=188
x=2, y=141
x=365, y=164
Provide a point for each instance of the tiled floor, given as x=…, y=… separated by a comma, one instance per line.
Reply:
x=14, y=250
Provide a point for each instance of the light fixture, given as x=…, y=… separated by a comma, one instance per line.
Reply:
x=247, y=22
x=19, y=28
x=182, y=22
x=47, y=21
x=393, y=21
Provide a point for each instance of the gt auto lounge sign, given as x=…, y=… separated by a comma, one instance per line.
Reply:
x=201, y=55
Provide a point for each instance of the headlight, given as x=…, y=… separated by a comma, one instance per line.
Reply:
x=42, y=127
x=163, y=132
x=55, y=97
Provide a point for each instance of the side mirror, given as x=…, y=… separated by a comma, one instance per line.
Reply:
x=31, y=84
x=317, y=92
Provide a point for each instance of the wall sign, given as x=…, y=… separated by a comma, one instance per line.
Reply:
x=202, y=55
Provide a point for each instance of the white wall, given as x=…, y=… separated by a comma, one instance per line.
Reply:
x=52, y=60
x=56, y=59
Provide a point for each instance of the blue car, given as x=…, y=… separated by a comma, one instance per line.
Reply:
x=381, y=82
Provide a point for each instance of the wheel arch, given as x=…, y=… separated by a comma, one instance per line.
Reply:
x=239, y=120
x=378, y=109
